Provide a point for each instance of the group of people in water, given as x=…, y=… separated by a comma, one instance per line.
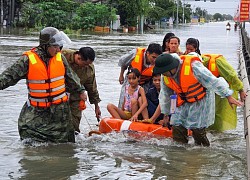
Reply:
x=236, y=25
x=180, y=90
x=57, y=80
x=162, y=85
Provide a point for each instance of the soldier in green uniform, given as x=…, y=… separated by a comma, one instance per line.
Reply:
x=45, y=117
x=81, y=62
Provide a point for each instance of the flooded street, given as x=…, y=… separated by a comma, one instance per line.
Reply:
x=116, y=155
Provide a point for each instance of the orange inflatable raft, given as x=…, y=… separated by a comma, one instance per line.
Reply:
x=108, y=125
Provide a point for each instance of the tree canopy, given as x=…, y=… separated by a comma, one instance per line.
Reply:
x=72, y=14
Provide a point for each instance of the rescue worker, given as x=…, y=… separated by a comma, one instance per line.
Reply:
x=81, y=62
x=194, y=86
x=142, y=59
x=225, y=116
x=45, y=116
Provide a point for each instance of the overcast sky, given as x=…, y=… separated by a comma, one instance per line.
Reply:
x=219, y=6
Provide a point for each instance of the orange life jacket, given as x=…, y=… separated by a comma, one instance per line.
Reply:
x=212, y=63
x=137, y=62
x=189, y=90
x=46, y=85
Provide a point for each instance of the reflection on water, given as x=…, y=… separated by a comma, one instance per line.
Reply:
x=52, y=162
x=117, y=155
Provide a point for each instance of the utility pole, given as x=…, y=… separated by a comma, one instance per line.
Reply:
x=177, y=18
x=1, y=14
x=12, y=12
x=183, y=15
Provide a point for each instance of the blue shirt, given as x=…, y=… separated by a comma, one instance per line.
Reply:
x=153, y=95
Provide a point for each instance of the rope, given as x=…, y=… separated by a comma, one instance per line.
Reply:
x=94, y=111
x=156, y=129
x=90, y=106
x=87, y=120
x=100, y=117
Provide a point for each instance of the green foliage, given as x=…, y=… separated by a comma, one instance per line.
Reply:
x=156, y=13
x=64, y=14
x=28, y=13
x=161, y=9
x=153, y=10
x=48, y=16
x=103, y=16
x=88, y=15
x=130, y=10
x=165, y=4
x=47, y=13
x=218, y=17
x=200, y=12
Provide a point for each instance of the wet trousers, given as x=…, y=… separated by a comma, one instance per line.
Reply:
x=180, y=134
x=52, y=124
x=76, y=114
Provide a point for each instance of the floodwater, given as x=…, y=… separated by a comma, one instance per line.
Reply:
x=117, y=155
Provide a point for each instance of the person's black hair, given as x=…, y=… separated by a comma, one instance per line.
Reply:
x=86, y=53
x=135, y=71
x=154, y=48
x=165, y=39
x=195, y=43
x=156, y=74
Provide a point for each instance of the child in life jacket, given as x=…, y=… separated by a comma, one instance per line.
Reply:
x=132, y=107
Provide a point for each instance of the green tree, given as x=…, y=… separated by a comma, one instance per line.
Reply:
x=28, y=12
x=51, y=14
x=104, y=15
x=84, y=17
x=47, y=13
x=88, y=15
x=200, y=12
x=64, y=14
x=227, y=17
x=156, y=13
x=188, y=12
x=168, y=8
x=130, y=10
x=218, y=17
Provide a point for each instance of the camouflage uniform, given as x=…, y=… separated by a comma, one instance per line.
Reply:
x=88, y=80
x=52, y=124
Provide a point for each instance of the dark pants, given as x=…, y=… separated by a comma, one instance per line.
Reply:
x=180, y=134
x=76, y=114
x=151, y=110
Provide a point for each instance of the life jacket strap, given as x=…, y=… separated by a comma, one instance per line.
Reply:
x=45, y=80
x=47, y=99
x=47, y=90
